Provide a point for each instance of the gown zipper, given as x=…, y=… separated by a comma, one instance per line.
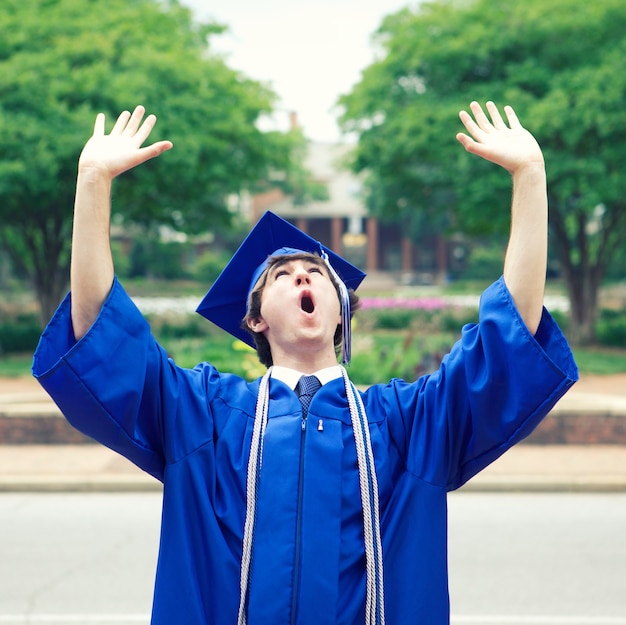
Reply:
x=296, y=567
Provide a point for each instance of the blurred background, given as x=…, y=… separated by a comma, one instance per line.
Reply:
x=337, y=116
x=341, y=117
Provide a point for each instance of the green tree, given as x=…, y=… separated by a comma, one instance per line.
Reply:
x=61, y=62
x=295, y=179
x=560, y=64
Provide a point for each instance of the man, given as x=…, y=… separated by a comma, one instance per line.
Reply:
x=333, y=511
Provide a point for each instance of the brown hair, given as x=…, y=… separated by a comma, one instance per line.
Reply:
x=254, y=304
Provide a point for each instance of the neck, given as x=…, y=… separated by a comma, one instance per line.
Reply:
x=305, y=363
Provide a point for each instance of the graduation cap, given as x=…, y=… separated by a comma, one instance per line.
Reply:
x=227, y=300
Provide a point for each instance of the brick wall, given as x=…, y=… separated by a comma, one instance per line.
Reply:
x=558, y=428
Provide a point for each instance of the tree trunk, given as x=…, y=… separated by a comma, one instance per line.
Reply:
x=582, y=273
x=49, y=288
x=42, y=251
x=583, y=297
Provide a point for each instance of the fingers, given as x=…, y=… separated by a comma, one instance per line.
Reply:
x=505, y=143
x=465, y=141
x=145, y=129
x=154, y=150
x=485, y=129
x=496, y=118
x=512, y=117
x=469, y=123
x=482, y=123
x=128, y=125
x=121, y=122
x=135, y=121
x=481, y=119
x=98, y=127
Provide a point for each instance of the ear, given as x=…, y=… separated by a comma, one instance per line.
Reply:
x=258, y=324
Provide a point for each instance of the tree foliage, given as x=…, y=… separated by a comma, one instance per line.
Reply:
x=61, y=62
x=560, y=64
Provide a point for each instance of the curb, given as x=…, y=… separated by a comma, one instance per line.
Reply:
x=78, y=484
x=526, y=484
x=479, y=484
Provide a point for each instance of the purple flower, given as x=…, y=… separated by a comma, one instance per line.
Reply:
x=413, y=303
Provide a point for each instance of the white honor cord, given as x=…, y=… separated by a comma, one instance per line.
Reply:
x=254, y=468
x=375, y=597
x=374, y=601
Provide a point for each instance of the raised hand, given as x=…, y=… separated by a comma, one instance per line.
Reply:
x=511, y=147
x=121, y=150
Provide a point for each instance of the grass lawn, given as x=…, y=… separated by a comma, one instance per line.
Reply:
x=15, y=365
x=600, y=361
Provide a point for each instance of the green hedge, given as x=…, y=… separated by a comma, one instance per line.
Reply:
x=611, y=329
x=19, y=335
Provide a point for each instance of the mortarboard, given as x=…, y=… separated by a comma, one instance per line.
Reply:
x=226, y=302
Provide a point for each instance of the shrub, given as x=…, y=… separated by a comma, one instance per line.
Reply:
x=561, y=318
x=186, y=327
x=19, y=335
x=209, y=265
x=611, y=331
x=392, y=319
x=406, y=355
x=453, y=319
x=484, y=262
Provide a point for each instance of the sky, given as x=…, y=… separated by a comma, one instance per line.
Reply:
x=309, y=51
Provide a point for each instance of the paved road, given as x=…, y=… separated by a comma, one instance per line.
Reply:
x=540, y=559
x=68, y=558
x=515, y=559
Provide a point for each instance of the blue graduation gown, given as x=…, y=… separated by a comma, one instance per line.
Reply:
x=192, y=430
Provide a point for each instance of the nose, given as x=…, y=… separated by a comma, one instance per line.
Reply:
x=302, y=277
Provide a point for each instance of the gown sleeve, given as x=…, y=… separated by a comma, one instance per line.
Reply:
x=494, y=387
x=118, y=386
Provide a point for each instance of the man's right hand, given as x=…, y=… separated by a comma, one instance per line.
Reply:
x=119, y=151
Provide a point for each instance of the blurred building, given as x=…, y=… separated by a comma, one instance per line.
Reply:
x=341, y=222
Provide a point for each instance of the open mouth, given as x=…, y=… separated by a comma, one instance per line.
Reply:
x=307, y=305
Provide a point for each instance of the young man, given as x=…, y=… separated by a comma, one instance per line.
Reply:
x=272, y=515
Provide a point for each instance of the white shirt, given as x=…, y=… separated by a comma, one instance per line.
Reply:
x=290, y=376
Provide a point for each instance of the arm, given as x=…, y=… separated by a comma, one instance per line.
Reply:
x=103, y=158
x=515, y=149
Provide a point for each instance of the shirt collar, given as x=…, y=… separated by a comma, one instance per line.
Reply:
x=290, y=376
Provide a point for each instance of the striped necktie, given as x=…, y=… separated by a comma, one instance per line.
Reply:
x=307, y=386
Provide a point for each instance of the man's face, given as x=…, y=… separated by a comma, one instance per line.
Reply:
x=300, y=308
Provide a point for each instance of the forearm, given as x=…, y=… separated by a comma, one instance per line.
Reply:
x=525, y=263
x=91, y=271
x=103, y=158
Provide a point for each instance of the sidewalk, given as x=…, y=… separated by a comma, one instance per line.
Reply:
x=530, y=468
x=573, y=450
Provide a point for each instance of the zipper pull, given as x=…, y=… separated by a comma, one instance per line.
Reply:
x=320, y=425
x=303, y=424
